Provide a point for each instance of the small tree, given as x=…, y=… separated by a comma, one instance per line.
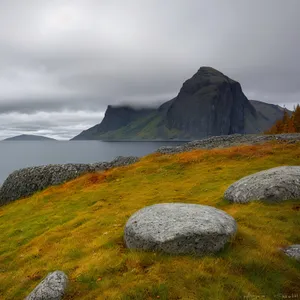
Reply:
x=279, y=126
x=288, y=124
x=296, y=116
x=285, y=122
x=291, y=126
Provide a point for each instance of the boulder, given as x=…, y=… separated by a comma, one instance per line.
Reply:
x=178, y=228
x=51, y=288
x=293, y=251
x=25, y=182
x=273, y=185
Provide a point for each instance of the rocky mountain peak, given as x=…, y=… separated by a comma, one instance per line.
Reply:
x=214, y=104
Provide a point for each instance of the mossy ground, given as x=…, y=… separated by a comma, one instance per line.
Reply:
x=78, y=228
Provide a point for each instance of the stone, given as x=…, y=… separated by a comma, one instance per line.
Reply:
x=52, y=287
x=25, y=182
x=273, y=185
x=293, y=251
x=179, y=228
x=225, y=141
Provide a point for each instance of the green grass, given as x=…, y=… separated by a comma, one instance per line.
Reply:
x=147, y=127
x=78, y=228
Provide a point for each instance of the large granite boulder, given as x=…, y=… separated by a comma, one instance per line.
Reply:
x=273, y=185
x=179, y=228
x=25, y=182
x=293, y=251
x=51, y=288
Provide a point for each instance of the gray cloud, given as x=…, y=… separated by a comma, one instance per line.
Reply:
x=79, y=56
x=58, y=125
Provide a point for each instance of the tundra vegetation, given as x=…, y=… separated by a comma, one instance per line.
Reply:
x=78, y=227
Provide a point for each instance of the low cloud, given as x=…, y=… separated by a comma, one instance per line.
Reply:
x=59, y=125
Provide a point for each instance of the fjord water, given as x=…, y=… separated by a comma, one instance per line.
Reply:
x=15, y=155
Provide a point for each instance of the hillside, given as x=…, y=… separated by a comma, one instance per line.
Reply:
x=27, y=137
x=208, y=104
x=78, y=228
x=268, y=113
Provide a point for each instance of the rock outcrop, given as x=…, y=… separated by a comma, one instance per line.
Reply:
x=273, y=185
x=179, y=228
x=25, y=182
x=208, y=104
x=229, y=141
x=293, y=251
x=117, y=162
x=53, y=287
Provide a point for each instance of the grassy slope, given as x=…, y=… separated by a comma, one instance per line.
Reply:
x=149, y=127
x=78, y=228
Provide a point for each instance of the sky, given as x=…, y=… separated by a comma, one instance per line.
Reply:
x=63, y=61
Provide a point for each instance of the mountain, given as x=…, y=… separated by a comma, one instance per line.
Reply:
x=271, y=111
x=208, y=104
x=27, y=137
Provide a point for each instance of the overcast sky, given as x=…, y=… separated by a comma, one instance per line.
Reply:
x=63, y=61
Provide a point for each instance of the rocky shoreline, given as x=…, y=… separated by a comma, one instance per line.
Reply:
x=25, y=182
x=225, y=141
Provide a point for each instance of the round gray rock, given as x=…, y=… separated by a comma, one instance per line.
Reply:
x=179, y=228
x=51, y=288
x=273, y=185
x=293, y=251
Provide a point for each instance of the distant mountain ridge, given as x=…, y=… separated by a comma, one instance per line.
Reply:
x=208, y=104
x=28, y=137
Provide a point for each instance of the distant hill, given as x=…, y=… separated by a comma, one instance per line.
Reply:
x=269, y=111
x=28, y=137
x=208, y=104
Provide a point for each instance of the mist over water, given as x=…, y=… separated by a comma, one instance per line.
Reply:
x=15, y=155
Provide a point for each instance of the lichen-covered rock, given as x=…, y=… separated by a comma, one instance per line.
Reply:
x=51, y=288
x=179, y=228
x=273, y=185
x=293, y=251
x=25, y=182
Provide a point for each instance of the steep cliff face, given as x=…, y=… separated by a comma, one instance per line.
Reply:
x=209, y=104
x=116, y=117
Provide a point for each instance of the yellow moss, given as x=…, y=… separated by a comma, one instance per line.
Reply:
x=78, y=228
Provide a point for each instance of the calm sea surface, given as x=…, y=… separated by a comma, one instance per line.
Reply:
x=16, y=154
